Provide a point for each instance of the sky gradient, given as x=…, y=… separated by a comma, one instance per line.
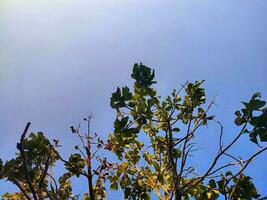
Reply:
x=60, y=60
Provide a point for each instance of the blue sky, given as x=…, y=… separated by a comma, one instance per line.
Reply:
x=61, y=59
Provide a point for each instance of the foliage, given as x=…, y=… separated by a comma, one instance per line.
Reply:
x=152, y=139
x=31, y=171
x=159, y=162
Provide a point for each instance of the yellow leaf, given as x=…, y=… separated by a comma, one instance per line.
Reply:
x=209, y=195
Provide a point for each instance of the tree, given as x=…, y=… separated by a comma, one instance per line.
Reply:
x=153, y=139
x=161, y=165
x=32, y=170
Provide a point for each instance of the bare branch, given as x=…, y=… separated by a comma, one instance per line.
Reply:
x=247, y=163
x=25, y=162
x=200, y=179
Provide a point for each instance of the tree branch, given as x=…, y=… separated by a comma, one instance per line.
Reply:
x=200, y=179
x=16, y=182
x=24, y=160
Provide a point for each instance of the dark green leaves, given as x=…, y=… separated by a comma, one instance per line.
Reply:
x=255, y=103
x=120, y=98
x=255, y=114
x=127, y=95
x=75, y=164
x=212, y=183
x=125, y=181
x=239, y=121
x=143, y=75
x=120, y=125
x=176, y=130
x=244, y=188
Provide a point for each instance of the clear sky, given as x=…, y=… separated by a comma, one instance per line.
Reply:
x=61, y=59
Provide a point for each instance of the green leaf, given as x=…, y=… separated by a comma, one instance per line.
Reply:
x=253, y=138
x=238, y=113
x=168, y=108
x=228, y=173
x=256, y=104
x=177, y=153
x=86, y=197
x=256, y=95
x=161, y=178
x=212, y=183
x=125, y=181
x=126, y=93
x=76, y=164
x=114, y=186
x=143, y=75
x=221, y=184
x=131, y=104
x=239, y=121
x=210, y=117
x=263, y=135
x=176, y=130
